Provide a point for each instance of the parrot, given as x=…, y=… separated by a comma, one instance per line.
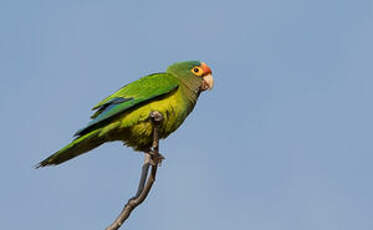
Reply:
x=124, y=115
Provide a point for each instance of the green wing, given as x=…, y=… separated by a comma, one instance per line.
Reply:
x=142, y=91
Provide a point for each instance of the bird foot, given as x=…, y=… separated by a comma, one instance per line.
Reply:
x=156, y=116
x=155, y=158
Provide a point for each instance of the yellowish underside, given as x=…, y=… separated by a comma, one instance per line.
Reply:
x=135, y=129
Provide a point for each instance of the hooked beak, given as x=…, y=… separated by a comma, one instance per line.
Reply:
x=207, y=79
x=208, y=82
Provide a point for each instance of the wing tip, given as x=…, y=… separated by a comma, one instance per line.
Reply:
x=78, y=133
x=42, y=164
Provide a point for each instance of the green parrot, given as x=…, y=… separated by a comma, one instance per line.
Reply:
x=124, y=116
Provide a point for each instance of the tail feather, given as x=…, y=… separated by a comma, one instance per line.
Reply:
x=78, y=146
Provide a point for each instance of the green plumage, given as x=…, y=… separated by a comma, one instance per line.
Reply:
x=124, y=116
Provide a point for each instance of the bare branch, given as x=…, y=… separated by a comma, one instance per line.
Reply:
x=134, y=202
x=152, y=158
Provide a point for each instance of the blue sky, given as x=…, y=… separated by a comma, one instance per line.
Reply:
x=284, y=141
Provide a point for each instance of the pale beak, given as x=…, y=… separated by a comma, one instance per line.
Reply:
x=208, y=82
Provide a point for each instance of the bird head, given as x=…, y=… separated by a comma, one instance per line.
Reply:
x=194, y=71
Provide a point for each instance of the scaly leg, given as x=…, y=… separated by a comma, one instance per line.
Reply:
x=156, y=119
x=153, y=157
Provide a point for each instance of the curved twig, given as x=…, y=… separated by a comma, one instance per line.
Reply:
x=152, y=158
x=137, y=200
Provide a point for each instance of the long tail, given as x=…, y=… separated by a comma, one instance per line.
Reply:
x=78, y=146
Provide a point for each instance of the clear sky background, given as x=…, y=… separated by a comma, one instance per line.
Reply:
x=284, y=141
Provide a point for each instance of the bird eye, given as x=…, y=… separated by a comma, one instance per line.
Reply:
x=196, y=70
